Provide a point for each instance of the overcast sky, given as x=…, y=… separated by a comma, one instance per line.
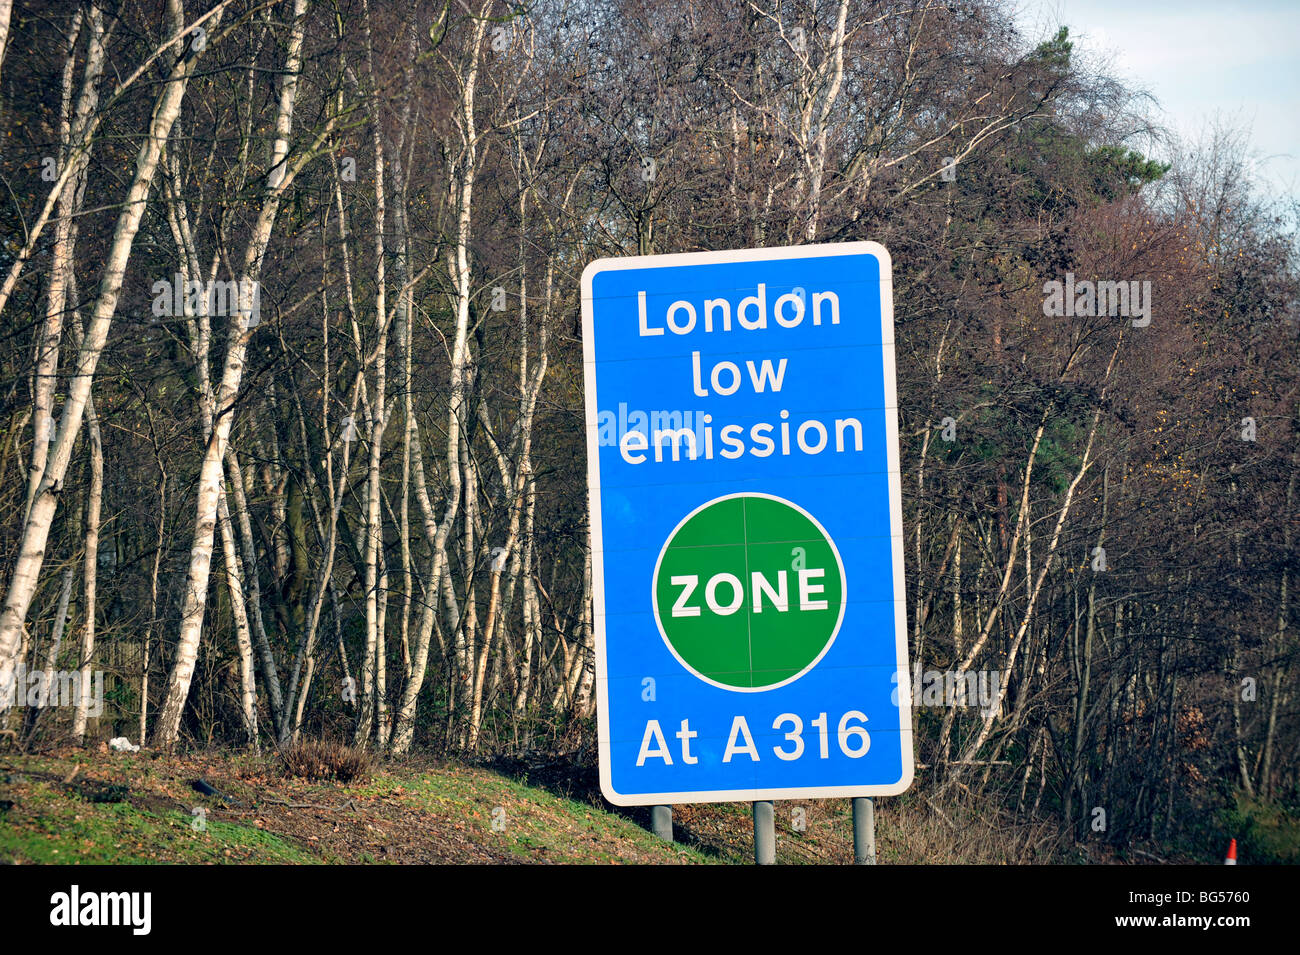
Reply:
x=1201, y=59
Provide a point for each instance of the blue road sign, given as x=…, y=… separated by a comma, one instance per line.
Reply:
x=746, y=520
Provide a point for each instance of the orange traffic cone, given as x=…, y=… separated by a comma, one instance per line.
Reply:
x=1232, y=853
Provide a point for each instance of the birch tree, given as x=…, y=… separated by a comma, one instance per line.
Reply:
x=36, y=528
x=279, y=177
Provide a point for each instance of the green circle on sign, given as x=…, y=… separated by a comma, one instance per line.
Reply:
x=749, y=592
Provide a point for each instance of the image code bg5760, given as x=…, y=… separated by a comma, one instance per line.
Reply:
x=746, y=521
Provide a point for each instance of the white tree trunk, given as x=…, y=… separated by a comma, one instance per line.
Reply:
x=296, y=694
x=90, y=566
x=46, y=371
x=6, y=6
x=461, y=192
x=243, y=632
x=36, y=529
x=373, y=672
x=150, y=628
x=210, y=475
x=253, y=590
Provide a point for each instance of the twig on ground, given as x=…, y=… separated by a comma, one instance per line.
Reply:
x=350, y=804
x=939, y=812
x=1151, y=855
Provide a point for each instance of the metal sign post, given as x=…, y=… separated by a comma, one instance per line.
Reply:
x=746, y=527
x=864, y=831
x=661, y=822
x=764, y=833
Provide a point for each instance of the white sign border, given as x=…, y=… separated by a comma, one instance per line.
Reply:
x=895, y=511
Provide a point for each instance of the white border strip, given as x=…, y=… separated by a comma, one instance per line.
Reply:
x=895, y=509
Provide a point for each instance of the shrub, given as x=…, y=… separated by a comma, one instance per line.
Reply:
x=318, y=759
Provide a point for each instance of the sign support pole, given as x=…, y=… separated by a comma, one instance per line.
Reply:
x=661, y=822
x=764, y=833
x=864, y=831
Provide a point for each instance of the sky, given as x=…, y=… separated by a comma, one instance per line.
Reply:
x=1237, y=62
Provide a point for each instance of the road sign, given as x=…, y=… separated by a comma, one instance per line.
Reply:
x=746, y=520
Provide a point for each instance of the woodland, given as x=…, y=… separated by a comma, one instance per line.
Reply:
x=291, y=387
